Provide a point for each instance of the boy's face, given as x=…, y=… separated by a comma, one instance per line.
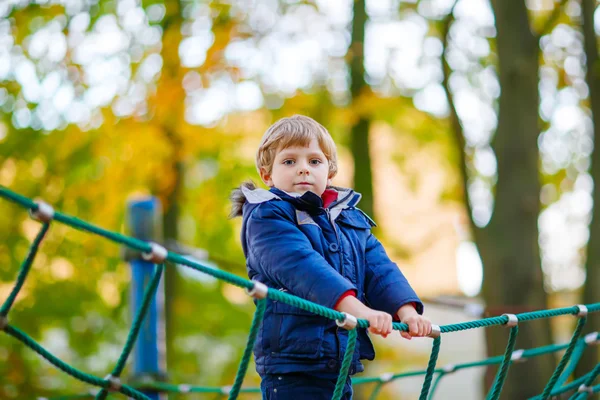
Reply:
x=299, y=169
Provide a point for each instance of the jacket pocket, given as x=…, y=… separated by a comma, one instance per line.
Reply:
x=296, y=333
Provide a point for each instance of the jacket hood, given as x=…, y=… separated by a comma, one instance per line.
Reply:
x=249, y=193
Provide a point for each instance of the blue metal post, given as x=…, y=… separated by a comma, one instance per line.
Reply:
x=144, y=220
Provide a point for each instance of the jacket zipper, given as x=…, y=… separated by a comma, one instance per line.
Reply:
x=337, y=329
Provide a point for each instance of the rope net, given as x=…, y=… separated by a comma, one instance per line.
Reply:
x=158, y=255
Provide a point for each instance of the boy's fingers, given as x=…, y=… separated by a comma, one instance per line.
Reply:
x=405, y=335
x=413, y=328
x=421, y=328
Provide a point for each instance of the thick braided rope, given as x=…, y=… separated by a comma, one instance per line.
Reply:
x=501, y=376
x=24, y=270
x=348, y=355
x=289, y=299
x=435, y=351
x=239, y=378
x=137, y=325
x=380, y=380
x=565, y=359
x=575, y=357
x=588, y=383
x=82, y=376
x=572, y=385
x=376, y=390
x=272, y=294
x=435, y=384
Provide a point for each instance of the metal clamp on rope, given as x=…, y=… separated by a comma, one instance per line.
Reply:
x=114, y=383
x=384, y=378
x=592, y=338
x=44, y=212
x=449, y=368
x=583, y=311
x=258, y=291
x=435, y=331
x=226, y=390
x=512, y=320
x=349, y=322
x=585, y=389
x=184, y=388
x=157, y=254
x=3, y=322
x=517, y=356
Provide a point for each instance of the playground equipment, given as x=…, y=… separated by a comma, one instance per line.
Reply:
x=157, y=255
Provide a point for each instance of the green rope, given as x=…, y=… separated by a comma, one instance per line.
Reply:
x=588, y=383
x=575, y=357
x=348, y=356
x=435, y=384
x=376, y=390
x=137, y=325
x=75, y=373
x=572, y=385
x=239, y=378
x=143, y=246
x=565, y=359
x=435, y=351
x=24, y=270
x=501, y=376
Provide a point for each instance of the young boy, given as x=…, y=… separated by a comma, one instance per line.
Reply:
x=305, y=237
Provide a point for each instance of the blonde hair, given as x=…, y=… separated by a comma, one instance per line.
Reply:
x=297, y=130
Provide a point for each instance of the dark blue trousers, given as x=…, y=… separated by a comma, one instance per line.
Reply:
x=300, y=386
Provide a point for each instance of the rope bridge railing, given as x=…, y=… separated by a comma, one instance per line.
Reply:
x=159, y=255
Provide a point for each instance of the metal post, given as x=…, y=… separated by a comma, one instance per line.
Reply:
x=144, y=221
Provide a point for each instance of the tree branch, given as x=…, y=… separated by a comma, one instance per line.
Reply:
x=457, y=129
x=549, y=25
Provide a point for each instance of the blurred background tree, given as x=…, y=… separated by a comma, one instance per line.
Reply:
x=480, y=108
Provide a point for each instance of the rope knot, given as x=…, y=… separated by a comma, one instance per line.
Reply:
x=384, y=378
x=449, y=368
x=592, y=338
x=226, y=390
x=114, y=383
x=184, y=388
x=517, y=356
x=157, y=254
x=435, y=331
x=349, y=322
x=43, y=213
x=259, y=290
x=585, y=389
x=513, y=320
x=582, y=311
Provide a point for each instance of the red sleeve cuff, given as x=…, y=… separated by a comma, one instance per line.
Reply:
x=350, y=292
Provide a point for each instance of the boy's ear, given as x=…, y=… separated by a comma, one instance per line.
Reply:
x=266, y=177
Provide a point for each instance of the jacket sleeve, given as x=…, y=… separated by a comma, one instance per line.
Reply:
x=386, y=288
x=285, y=255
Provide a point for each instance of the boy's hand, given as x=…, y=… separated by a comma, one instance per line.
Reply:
x=380, y=322
x=418, y=326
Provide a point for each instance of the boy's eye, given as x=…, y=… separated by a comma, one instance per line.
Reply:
x=288, y=162
x=315, y=161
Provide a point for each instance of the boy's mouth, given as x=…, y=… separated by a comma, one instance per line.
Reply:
x=303, y=183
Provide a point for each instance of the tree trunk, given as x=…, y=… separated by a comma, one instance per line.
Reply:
x=591, y=289
x=513, y=280
x=359, y=137
x=168, y=115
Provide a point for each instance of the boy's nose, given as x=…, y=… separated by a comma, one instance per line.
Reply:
x=302, y=170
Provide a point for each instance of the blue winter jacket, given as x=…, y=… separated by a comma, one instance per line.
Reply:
x=295, y=245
